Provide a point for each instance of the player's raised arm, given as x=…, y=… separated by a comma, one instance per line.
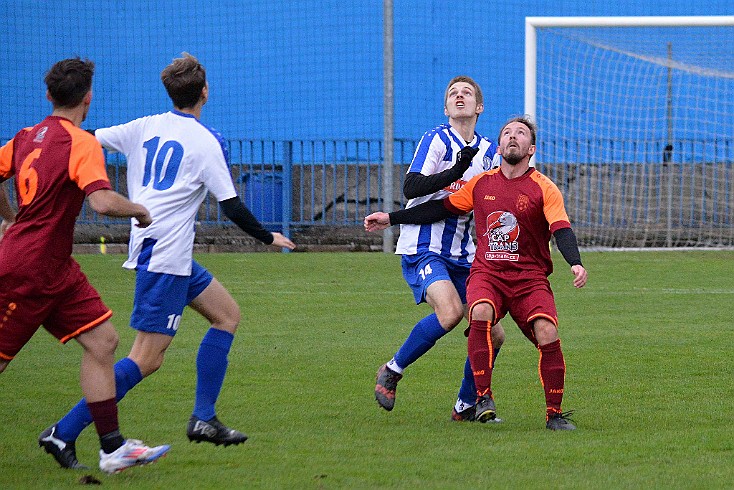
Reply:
x=236, y=211
x=416, y=184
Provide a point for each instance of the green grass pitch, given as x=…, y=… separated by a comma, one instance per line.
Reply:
x=648, y=346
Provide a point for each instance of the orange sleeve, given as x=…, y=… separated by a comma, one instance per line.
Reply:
x=462, y=200
x=86, y=161
x=553, y=208
x=6, y=160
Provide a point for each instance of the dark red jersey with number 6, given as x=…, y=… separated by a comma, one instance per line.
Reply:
x=56, y=165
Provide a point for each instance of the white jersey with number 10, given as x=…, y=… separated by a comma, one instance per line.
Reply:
x=172, y=161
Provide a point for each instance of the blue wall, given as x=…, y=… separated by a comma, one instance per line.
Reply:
x=292, y=70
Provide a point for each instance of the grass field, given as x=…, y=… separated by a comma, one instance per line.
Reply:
x=648, y=346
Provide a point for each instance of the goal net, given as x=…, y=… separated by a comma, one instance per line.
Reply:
x=636, y=126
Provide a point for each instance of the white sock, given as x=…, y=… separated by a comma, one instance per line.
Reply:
x=461, y=405
x=394, y=366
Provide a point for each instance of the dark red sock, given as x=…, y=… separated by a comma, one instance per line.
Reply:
x=481, y=355
x=104, y=414
x=552, y=370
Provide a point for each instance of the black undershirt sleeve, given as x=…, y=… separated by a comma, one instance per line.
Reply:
x=568, y=246
x=416, y=184
x=428, y=212
x=242, y=217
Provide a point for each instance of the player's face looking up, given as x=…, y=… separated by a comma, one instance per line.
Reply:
x=516, y=142
x=461, y=102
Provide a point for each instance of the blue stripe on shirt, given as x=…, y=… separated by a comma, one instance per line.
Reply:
x=464, y=241
x=425, y=143
x=424, y=237
x=447, y=237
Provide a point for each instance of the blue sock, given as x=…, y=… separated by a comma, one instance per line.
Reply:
x=423, y=336
x=468, y=391
x=211, y=365
x=127, y=375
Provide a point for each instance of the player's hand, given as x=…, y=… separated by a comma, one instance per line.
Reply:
x=144, y=220
x=579, y=276
x=463, y=160
x=282, y=241
x=377, y=221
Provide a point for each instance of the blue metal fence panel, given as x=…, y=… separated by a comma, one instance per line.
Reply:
x=687, y=199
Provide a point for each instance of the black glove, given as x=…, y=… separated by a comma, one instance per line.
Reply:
x=463, y=161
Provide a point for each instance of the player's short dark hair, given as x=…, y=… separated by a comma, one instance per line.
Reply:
x=463, y=78
x=69, y=80
x=184, y=80
x=527, y=121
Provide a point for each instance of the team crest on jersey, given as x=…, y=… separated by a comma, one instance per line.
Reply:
x=523, y=202
x=502, y=232
x=486, y=163
x=40, y=135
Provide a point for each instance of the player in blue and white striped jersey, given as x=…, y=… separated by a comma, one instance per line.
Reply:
x=173, y=160
x=436, y=257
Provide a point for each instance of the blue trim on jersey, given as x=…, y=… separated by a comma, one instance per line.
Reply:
x=217, y=135
x=146, y=252
x=458, y=141
x=478, y=137
x=183, y=114
x=220, y=139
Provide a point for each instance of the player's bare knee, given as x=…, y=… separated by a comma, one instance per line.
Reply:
x=104, y=340
x=148, y=364
x=3, y=365
x=450, y=315
x=228, y=325
x=229, y=319
x=545, y=331
x=152, y=366
x=498, y=335
x=481, y=311
x=112, y=341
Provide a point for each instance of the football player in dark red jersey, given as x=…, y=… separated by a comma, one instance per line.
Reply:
x=56, y=166
x=516, y=209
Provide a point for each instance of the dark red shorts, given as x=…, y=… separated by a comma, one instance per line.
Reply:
x=525, y=297
x=72, y=311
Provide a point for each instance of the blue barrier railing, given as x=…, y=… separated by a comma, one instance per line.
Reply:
x=337, y=182
x=296, y=183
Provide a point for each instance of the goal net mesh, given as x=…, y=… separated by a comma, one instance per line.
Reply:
x=636, y=126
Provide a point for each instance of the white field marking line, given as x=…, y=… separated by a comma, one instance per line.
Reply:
x=637, y=291
x=315, y=292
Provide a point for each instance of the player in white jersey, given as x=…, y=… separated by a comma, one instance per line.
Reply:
x=436, y=257
x=173, y=160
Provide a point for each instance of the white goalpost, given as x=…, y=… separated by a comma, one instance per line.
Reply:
x=636, y=125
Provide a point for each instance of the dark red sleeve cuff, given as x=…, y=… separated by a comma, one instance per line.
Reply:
x=97, y=185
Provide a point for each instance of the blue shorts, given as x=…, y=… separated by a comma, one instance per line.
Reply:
x=160, y=298
x=422, y=270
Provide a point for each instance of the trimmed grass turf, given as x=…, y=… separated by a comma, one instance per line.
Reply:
x=647, y=344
